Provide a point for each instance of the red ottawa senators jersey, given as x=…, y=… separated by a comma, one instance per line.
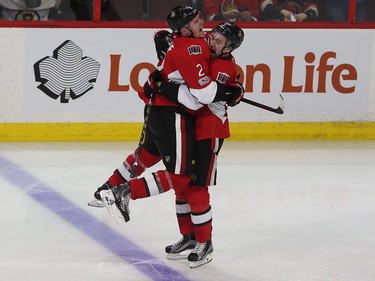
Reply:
x=212, y=119
x=187, y=62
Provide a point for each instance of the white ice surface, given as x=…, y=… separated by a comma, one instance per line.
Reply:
x=283, y=211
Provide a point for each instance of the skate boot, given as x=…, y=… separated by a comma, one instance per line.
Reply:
x=180, y=249
x=120, y=194
x=201, y=254
x=97, y=202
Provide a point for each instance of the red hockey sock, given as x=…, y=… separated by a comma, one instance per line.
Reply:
x=145, y=160
x=183, y=215
x=116, y=178
x=201, y=216
x=123, y=173
x=156, y=183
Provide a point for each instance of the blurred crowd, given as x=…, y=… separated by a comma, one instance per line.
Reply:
x=213, y=10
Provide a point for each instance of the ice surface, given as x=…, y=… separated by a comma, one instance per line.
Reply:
x=283, y=211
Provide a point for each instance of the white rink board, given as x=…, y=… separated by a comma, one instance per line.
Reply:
x=332, y=60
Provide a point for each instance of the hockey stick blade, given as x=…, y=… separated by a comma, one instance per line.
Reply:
x=278, y=110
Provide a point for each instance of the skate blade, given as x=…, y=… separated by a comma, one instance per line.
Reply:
x=96, y=203
x=179, y=256
x=195, y=264
x=108, y=199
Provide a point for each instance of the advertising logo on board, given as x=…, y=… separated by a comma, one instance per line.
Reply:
x=67, y=74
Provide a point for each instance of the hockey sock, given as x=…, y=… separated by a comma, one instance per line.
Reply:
x=123, y=173
x=156, y=183
x=201, y=215
x=116, y=178
x=183, y=215
x=145, y=160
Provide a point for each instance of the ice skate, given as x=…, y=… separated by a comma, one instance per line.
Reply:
x=120, y=195
x=181, y=249
x=201, y=254
x=97, y=202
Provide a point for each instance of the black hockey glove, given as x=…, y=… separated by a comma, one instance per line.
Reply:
x=232, y=93
x=237, y=94
x=156, y=77
x=162, y=39
x=149, y=93
x=152, y=86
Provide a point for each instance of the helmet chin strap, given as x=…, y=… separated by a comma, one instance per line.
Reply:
x=187, y=26
x=223, y=55
x=191, y=32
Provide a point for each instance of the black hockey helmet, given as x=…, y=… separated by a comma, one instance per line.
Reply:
x=180, y=16
x=232, y=33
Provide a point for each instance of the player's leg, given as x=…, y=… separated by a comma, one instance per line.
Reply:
x=148, y=157
x=181, y=248
x=199, y=199
x=177, y=151
x=173, y=135
x=193, y=206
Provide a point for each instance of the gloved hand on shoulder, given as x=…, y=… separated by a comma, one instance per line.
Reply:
x=162, y=39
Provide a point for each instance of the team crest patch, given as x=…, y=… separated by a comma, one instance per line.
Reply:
x=195, y=50
x=222, y=77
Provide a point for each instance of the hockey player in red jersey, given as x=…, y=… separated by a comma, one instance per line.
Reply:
x=211, y=128
x=171, y=127
x=165, y=115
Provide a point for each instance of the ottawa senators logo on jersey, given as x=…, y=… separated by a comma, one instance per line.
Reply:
x=195, y=50
x=222, y=78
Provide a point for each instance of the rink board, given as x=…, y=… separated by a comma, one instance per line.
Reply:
x=239, y=131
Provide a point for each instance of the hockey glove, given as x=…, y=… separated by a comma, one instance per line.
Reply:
x=232, y=94
x=152, y=86
x=148, y=92
x=162, y=39
x=237, y=94
x=156, y=77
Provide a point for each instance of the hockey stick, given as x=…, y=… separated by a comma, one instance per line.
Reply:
x=278, y=110
x=142, y=137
